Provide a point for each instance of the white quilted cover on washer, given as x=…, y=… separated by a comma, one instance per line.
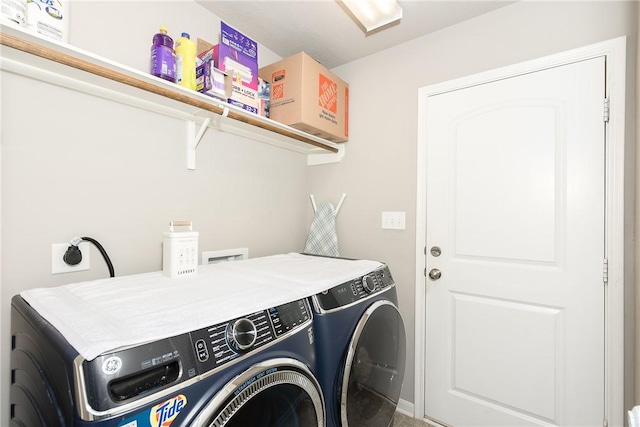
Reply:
x=99, y=316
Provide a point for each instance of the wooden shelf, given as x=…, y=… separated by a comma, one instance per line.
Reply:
x=64, y=65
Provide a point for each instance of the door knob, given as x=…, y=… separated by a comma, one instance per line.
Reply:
x=435, y=274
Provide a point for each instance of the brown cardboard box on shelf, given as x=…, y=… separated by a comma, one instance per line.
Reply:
x=307, y=96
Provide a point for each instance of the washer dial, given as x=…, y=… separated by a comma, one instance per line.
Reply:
x=242, y=334
x=369, y=283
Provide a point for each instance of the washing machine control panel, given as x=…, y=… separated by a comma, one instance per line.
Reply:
x=354, y=290
x=125, y=376
x=222, y=343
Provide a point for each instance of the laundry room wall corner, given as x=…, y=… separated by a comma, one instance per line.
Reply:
x=127, y=169
x=379, y=170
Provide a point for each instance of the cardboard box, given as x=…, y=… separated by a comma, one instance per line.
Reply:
x=210, y=80
x=264, y=96
x=307, y=96
x=243, y=96
x=239, y=53
x=237, y=57
x=225, y=84
x=213, y=82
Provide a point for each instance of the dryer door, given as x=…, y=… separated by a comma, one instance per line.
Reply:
x=374, y=368
x=274, y=393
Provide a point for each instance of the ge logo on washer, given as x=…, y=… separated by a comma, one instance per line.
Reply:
x=112, y=365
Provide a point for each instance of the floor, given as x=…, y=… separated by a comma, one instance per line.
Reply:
x=400, y=420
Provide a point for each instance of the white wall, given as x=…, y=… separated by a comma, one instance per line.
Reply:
x=77, y=165
x=132, y=162
x=379, y=171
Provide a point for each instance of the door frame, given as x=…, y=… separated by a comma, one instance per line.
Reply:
x=615, y=52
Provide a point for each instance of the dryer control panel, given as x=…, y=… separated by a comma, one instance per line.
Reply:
x=354, y=290
x=219, y=344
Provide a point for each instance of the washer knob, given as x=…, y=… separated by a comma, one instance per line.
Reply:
x=369, y=284
x=243, y=333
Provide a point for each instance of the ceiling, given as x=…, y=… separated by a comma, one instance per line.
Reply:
x=324, y=30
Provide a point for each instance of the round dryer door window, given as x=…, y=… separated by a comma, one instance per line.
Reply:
x=275, y=393
x=374, y=368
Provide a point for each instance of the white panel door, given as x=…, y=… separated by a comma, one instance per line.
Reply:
x=515, y=202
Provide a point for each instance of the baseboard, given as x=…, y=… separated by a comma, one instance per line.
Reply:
x=406, y=408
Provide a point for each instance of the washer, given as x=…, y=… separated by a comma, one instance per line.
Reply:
x=255, y=370
x=361, y=350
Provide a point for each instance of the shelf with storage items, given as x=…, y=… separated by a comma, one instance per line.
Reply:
x=31, y=55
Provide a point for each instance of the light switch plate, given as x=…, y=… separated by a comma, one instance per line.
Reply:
x=393, y=220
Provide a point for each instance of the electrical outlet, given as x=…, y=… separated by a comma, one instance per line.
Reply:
x=59, y=266
x=393, y=220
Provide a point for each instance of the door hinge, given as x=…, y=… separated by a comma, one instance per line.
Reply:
x=605, y=271
x=425, y=272
x=606, y=110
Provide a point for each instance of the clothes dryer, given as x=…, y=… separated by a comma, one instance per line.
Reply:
x=361, y=350
x=255, y=370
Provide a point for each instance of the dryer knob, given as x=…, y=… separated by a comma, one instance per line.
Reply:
x=244, y=333
x=369, y=284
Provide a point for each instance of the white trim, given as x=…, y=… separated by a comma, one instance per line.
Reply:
x=615, y=52
x=421, y=262
x=405, y=408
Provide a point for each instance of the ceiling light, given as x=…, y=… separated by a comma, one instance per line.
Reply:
x=374, y=14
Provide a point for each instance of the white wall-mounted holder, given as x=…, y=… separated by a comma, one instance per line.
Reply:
x=40, y=58
x=193, y=140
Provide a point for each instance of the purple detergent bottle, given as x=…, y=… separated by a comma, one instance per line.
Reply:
x=163, y=58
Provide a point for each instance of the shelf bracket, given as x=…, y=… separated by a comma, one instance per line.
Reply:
x=193, y=140
x=326, y=158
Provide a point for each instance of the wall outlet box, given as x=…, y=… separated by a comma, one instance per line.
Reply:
x=58, y=265
x=180, y=252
